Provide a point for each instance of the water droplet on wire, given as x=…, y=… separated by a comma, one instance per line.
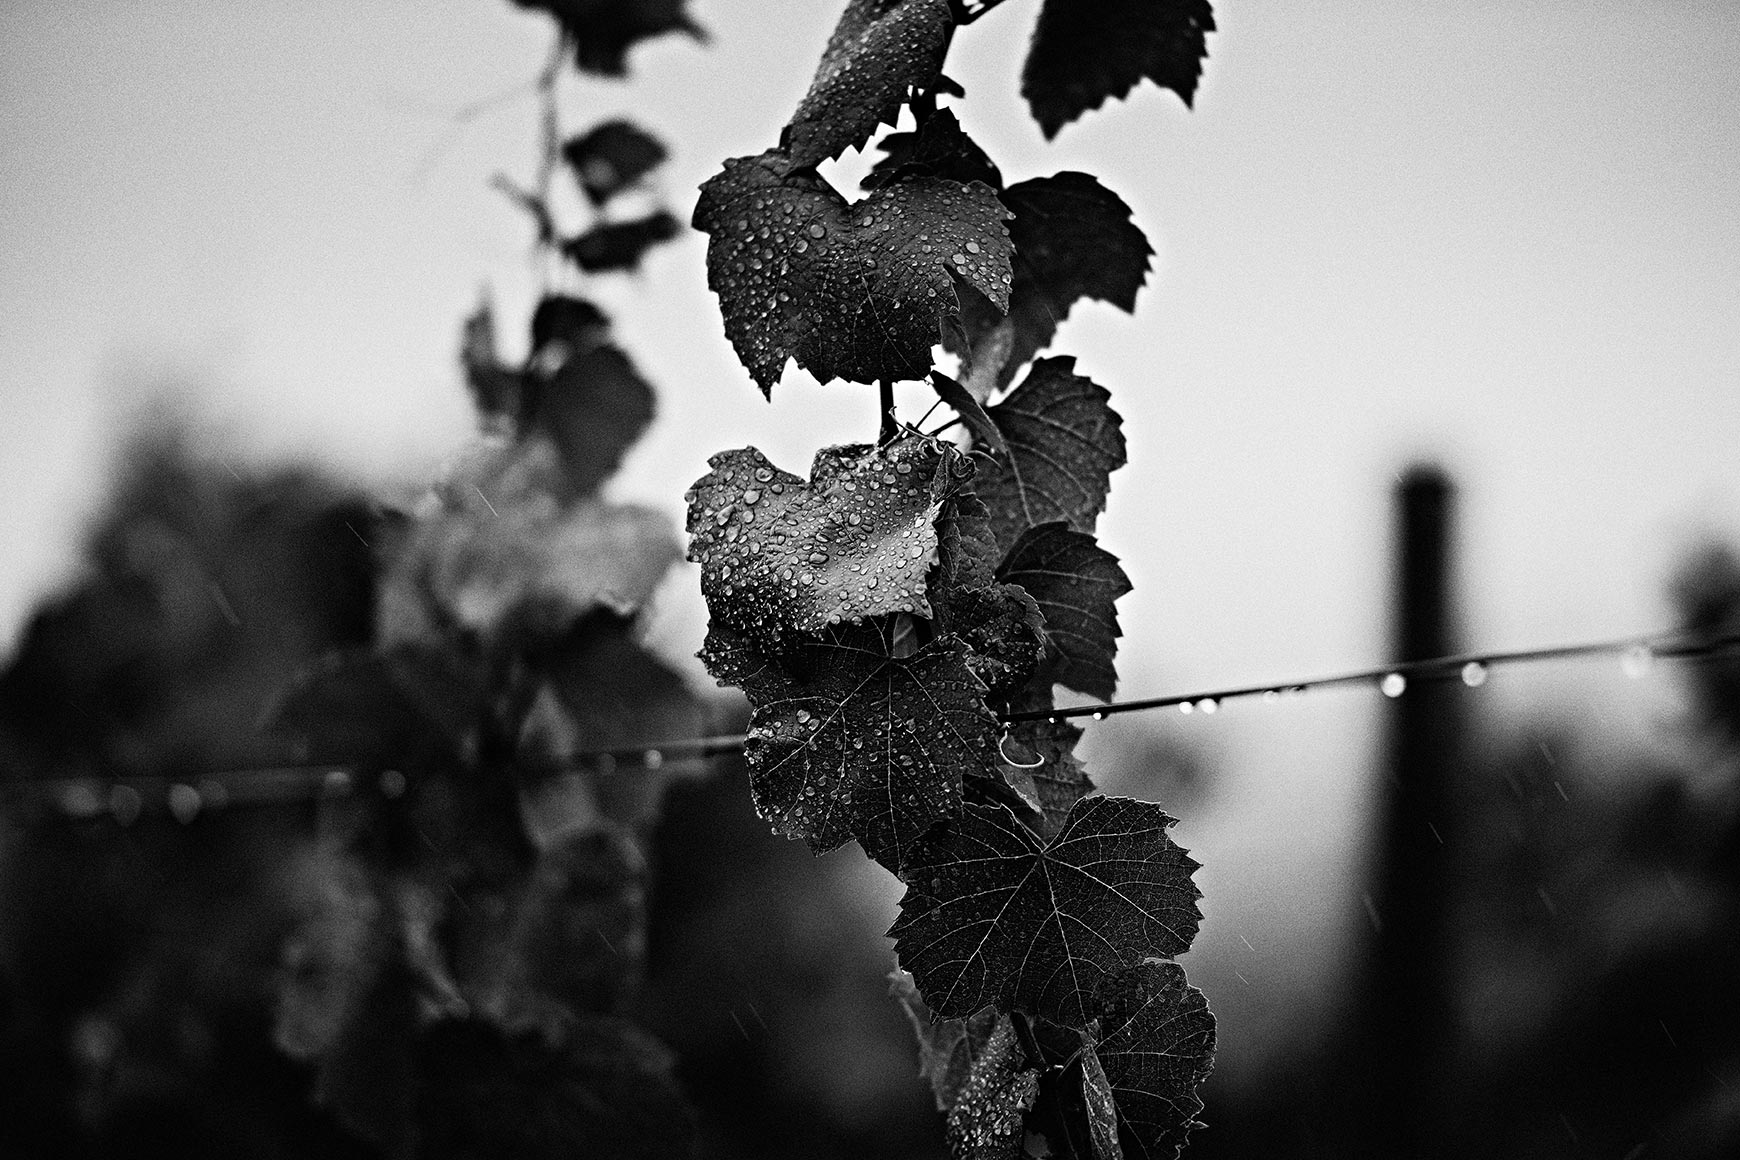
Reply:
x=1393, y=685
x=1474, y=674
x=1637, y=661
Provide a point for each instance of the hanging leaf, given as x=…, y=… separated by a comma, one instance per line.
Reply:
x=972, y=414
x=1156, y=1045
x=851, y=291
x=594, y=407
x=620, y=245
x=999, y=622
x=992, y=915
x=947, y=1048
x=779, y=554
x=564, y=326
x=1084, y=51
x=1076, y=584
x=612, y=156
x=603, y=31
x=938, y=148
x=848, y=740
x=880, y=52
x=1064, y=443
x=496, y=389
x=1099, y=1108
x=1073, y=239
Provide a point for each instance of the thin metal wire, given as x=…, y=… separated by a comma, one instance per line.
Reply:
x=125, y=798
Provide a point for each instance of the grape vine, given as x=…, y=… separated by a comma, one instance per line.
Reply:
x=883, y=615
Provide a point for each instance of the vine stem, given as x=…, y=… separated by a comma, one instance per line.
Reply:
x=890, y=429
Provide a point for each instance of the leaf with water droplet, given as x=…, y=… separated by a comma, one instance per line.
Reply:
x=1076, y=584
x=881, y=51
x=602, y=31
x=612, y=156
x=947, y=1048
x=850, y=741
x=620, y=245
x=989, y=1119
x=994, y=915
x=1000, y=622
x=1064, y=442
x=1083, y=53
x=1058, y=780
x=1156, y=1046
x=1073, y=239
x=855, y=291
x=938, y=148
x=779, y=554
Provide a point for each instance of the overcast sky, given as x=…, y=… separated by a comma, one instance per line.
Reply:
x=1504, y=236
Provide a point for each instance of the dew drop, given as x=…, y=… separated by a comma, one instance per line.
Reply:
x=1637, y=661
x=1186, y=707
x=1393, y=685
x=1208, y=705
x=1474, y=674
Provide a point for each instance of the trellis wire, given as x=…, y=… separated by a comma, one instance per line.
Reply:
x=125, y=798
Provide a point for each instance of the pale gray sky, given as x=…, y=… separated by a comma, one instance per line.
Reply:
x=1506, y=235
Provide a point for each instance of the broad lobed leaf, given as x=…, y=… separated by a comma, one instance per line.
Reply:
x=1156, y=1045
x=780, y=555
x=854, y=291
x=994, y=915
x=850, y=741
x=1076, y=584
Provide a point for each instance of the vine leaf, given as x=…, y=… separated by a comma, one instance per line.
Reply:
x=1073, y=239
x=611, y=156
x=850, y=741
x=1083, y=53
x=779, y=554
x=1076, y=584
x=1064, y=442
x=989, y=1119
x=854, y=291
x=573, y=323
x=992, y=915
x=937, y=148
x=971, y=412
x=496, y=389
x=1156, y=1044
x=947, y=1048
x=881, y=51
x=1099, y=1107
x=602, y=31
x=620, y=245
x=999, y=622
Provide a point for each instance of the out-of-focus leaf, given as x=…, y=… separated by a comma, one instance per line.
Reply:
x=620, y=245
x=880, y=52
x=1076, y=584
x=779, y=554
x=1073, y=239
x=496, y=390
x=612, y=156
x=1084, y=51
x=850, y=741
x=993, y=915
x=938, y=148
x=1064, y=442
x=407, y=707
x=604, y=30
x=570, y=325
x=1156, y=1045
x=594, y=407
x=854, y=291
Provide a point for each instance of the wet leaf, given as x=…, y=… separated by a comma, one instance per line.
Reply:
x=1058, y=780
x=603, y=31
x=620, y=245
x=1156, y=1045
x=1101, y=1110
x=947, y=1048
x=850, y=741
x=881, y=51
x=1084, y=51
x=993, y=916
x=938, y=148
x=855, y=291
x=989, y=1119
x=1064, y=443
x=1076, y=584
x=1073, y=239
x=612, y=156
x=779, y=554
